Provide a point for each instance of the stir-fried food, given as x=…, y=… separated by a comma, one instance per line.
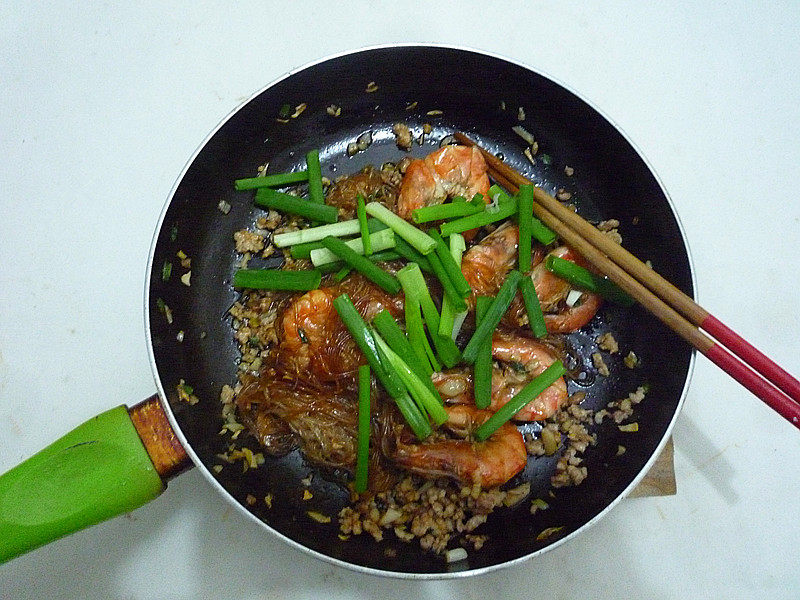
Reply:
x=377, y=288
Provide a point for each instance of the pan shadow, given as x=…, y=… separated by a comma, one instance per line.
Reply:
x=709, y=461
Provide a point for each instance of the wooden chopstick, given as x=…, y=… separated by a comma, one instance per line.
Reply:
x=765, y=379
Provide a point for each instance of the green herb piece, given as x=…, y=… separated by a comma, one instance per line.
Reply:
x=269, y=198
x=277, y=279
x=362, y=439
x=407, y=251
x=418, y=239
x=428, y=402
x=314, y=177
x=525, y=210
x=385, y=280
x=495, y=312
x=414, y=286
x=523, y=397
x=450, y=321
x=485, y=217
x=415, y=330
x=532, y=307
x=313, y=234
x=447, y=285
x=451, y=267
x=587, y=280
x=441, y=212
x=274, y=180
x=338, y=265
x=362, y=221
x=390, y=331
x=383, y=240
x=482, y=371
x=342, y=273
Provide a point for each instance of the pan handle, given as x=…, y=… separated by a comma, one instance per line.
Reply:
x=110, y=465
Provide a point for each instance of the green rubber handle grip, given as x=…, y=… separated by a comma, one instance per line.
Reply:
x=98, y=470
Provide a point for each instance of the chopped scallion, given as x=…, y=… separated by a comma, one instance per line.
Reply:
x=495, y=312
x=366, y=343
x=450, y=321
x=313, y=234
x=374, y=273
x=314, y=177
x=362, y=221
x=407, y=251
x=428, y=402
x=277, y=279
x=388, y=328
x=532, y=307
x=447, y=285
x=383, y=240
x=275, y=180
x=440, y=212
x=416, y=333
x=333, y=267
x=504, y=210
x=451, y=267
x=587, y=280
x=525, y=211
x=418, y=239
x=498, y=195
x=414, y=286
x=506, y=412
x=482, y=372
x=269, y=198
x=342, y=273
x=362, y=439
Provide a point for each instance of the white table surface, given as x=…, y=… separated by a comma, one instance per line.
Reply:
x=100, y=107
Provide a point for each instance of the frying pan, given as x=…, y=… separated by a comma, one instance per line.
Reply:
x=123, y=458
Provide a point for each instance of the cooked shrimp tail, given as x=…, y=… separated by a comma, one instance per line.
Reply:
x=487, y=464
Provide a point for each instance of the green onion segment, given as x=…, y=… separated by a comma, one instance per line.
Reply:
x=587, y=280
x=506, y=412
x=362, y=221
x=277, y=279
x=418, y=239
x=362, y=438
x=495, y=312
x=314, y=177
x=482, y=370
x=532, y=307
x=374, y=273
x=383, y=240
x=276, y=180
x=269, y=198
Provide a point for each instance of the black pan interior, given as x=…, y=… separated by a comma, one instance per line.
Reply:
x=480, y=95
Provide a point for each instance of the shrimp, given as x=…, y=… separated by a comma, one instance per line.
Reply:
x=449, y=171
x=486, y=264
x=316, y=346
x=525, y=359
x=487, y=464
x=310, y=344
x=518, y=360
x=551, y=290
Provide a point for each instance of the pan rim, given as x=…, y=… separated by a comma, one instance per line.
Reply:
x=206, y=472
